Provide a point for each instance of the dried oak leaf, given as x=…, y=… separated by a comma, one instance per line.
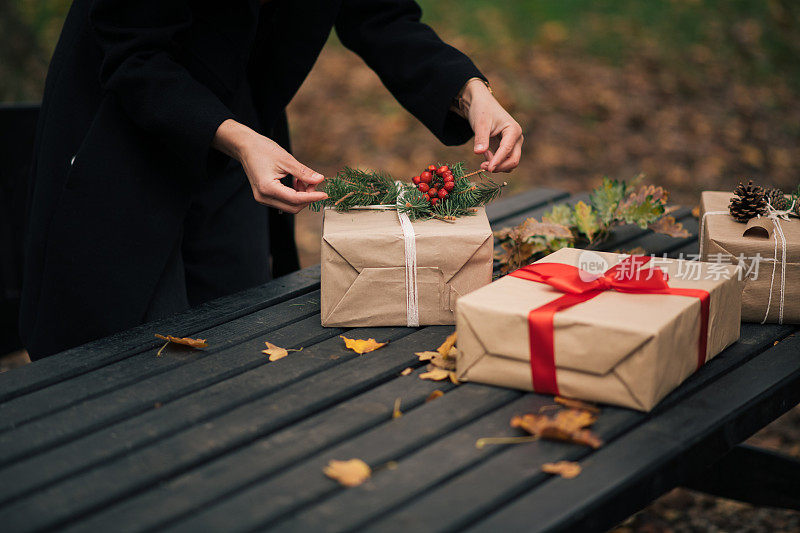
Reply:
x=276, y=352
x=350, y=473
x=565, y=469
x=361, y=346
x=186, y=341
x=436, y=374
x=566, y=426
x=448, y=343
x=668, y=226
x=577, y=404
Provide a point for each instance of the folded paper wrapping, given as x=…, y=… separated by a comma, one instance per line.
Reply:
x=617, y=348
x=363, y=267
x=724, y=239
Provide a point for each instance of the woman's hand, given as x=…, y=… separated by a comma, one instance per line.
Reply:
x=265, y=163
x=489, y=121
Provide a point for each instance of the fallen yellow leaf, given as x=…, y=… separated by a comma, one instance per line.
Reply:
x=396, y=412
x=407, y=371
x=432, y=396
x=566, y=426
x=449, y=342
x=565, y=469
x=454, y=379
x=362, y=346
x=435, y=374
x=350, y=473
x=276, y=352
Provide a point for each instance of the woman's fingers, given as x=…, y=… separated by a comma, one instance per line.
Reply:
x=302, y=172
x=511, y=135
x=483, y=129
x=512, y=161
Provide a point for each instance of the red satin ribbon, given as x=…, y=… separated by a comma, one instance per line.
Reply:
x=580, y=286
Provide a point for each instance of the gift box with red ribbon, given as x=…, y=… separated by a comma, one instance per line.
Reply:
x=612, y=328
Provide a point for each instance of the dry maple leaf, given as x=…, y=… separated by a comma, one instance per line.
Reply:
x=426, y=356
x=577, y=404
x=435, y=374
x=432, y=396
x=183, y=341
x=449, y=342
x=566, y=426
x=443, y=362
x=361, y=346
x=276, y=352
x=565, y=469
x=350, y=473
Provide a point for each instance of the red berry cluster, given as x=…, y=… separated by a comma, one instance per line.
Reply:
x=435, y=183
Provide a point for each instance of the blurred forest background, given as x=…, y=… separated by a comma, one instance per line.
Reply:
x=697, y=94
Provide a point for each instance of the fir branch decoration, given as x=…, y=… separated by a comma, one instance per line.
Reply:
x=352, y=188
x=611, y=204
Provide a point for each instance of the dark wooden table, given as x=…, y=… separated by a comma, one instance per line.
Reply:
x=110, y=437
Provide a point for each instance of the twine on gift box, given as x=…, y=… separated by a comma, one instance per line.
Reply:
x=776, y=215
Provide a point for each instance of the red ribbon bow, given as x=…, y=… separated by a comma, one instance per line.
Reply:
x=580, y=286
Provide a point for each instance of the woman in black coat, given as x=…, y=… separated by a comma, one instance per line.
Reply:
x=162, y=176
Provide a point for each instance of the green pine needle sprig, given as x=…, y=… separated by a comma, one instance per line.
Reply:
x=352, y=188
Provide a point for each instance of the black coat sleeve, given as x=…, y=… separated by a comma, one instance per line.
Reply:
x=422, y=72
x=140, y=68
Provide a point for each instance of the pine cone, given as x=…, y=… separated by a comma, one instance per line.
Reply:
x=748, y=202
x=777, y=199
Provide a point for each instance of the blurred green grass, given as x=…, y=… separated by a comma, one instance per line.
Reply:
x=756, y=37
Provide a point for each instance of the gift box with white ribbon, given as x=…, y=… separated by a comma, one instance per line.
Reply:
x=381, y=269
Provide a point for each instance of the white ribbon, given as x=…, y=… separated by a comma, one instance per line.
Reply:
x=410, y=255
x=776, y=216
x=410, y=241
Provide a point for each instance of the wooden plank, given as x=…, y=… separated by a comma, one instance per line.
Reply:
x=161, y=419
x=217, y=479
x=144, y=365
x=135, y=471
x=626, y=475
x=522, y=202
x=415, y=474
x=100, y=411
x=116, y=347
x=501, y=478
x=289, y=490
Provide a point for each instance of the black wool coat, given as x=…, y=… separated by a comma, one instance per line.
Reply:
x=133, y=98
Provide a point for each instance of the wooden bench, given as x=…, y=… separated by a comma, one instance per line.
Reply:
x=108, y=436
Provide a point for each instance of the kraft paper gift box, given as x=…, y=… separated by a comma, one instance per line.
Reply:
x=364, y=266
x=615, y=347
x=772, y=288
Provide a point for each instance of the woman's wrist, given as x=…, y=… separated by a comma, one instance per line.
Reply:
x=234, y=139
x=475, y=87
